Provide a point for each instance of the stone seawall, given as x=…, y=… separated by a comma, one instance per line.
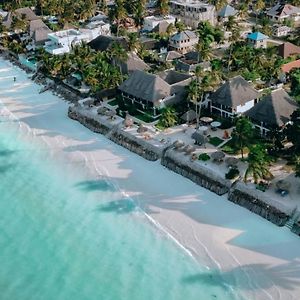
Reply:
x=135, y=145
x=117, y=135
x=256, y=205
x=196, y=173
x=88, y=122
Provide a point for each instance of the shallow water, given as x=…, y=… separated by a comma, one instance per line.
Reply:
x=66, y=236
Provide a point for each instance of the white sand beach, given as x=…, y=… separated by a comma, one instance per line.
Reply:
x=257, y=258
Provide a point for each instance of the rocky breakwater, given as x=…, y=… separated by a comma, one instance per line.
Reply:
x=195, y=171
x=148, y=149
x=88, y=120
x=136, y=144
x=256, y=202
x=296, y=228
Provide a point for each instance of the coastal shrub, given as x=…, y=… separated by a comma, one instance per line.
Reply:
x=226, y=123
x=232, y=173
x=204, y=157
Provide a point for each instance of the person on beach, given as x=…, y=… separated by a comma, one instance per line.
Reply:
x=15, y=79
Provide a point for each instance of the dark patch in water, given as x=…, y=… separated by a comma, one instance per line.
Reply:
x=93, y=186
x=119, y=207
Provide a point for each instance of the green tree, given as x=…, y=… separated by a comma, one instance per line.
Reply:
x=168, y=117
x=242, y=134
x=163, y=7
x=258, y=164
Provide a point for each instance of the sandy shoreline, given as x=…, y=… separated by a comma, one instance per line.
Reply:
x=256, y=257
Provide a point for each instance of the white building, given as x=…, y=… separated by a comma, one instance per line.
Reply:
x=184, y=41
x=62, y=41
x=153, y=21
x=279, y=30
x=234, y=97
x=192, y=12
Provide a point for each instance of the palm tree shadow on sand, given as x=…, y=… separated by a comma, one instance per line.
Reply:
x=124, y=206
x=285, y=276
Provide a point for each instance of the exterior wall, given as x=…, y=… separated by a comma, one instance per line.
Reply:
x=242, y=108
x=258, y=44
x=191, y=14
x=229, y=112
x=183, y=46
x=151, y=22
x=62, y=41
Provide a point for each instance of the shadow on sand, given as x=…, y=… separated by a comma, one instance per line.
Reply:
x=123, y=206
x=94, y=186
x=285, y=276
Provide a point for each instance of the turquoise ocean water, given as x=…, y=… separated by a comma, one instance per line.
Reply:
x=63, y=236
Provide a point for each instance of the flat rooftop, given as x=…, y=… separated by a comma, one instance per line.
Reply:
x=191, y=3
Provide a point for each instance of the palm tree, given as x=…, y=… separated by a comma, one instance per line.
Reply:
x=168, y=117
x=118, y=53
x=258, y=164
x=193, y=92
x=163, y=7
x=133, y=42
x=242, y=134
x=119, y=14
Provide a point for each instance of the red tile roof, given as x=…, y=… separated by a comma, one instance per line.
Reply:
x=287, y=49
x=286, y=68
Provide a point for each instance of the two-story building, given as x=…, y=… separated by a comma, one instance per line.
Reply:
x=233, y=98
x=192, y=12
x=257, y=40
x=272, y=111
x=184, y=41
x=152, y=92
x=62, y=41
x=282, y=11
x=151, y=22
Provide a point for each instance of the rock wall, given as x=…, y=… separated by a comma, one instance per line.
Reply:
x=134, y=145
x=296, y=228
x=195, y=173
x=117, y=135
x=88, y=122
x=258, y=206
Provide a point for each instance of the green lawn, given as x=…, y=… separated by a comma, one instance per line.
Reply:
x=144, y=117
x=113, y=102
x=215, y=141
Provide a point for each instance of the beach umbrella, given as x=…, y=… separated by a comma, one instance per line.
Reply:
x=215, y=124
x=189, y=116
x=199, y=137
x=203, y=129
x=283, y=185
x=178, y=144
x=218, y=155
x=189, y=149
x=101, y=110
x=231, y=161
x=206, y=119
x=110, y=113
x=142, y=128
x=128, y=122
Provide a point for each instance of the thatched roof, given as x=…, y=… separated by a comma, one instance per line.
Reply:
x=274, y=109
x=189, y=116
x=38, y=30
x=218, y=155
x=199, y=137
x=146, y=86
x=236, y=91
x=104, y=42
